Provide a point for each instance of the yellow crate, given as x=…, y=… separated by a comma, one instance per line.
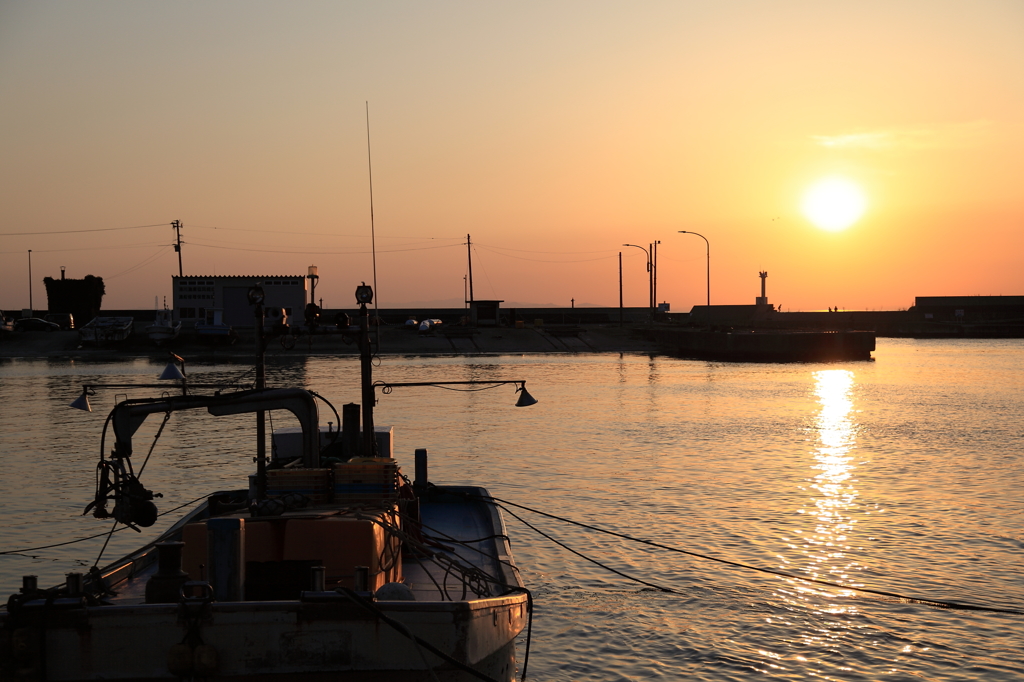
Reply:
x=366, y=483
x=313, y=483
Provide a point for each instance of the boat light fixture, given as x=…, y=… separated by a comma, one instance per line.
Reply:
x=171, y=371
x=82, y=401
x=364, y=294
x=525, y=399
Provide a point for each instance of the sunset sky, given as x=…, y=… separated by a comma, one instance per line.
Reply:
x=552, y=132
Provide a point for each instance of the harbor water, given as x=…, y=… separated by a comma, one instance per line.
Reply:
x=902, y=475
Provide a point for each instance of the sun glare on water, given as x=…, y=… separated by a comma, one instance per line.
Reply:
x=834, y=204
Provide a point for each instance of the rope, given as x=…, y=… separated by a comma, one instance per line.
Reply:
x=167, y=417
x=405, y=632
x=593, y=561
x=914, y=600
x=98, y=535
x=103, y=549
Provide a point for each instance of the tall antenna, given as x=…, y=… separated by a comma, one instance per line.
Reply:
x=373, y=235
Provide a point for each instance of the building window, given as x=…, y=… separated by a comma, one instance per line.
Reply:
x=187, y=313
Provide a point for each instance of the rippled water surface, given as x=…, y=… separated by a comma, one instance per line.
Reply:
x=901, y=475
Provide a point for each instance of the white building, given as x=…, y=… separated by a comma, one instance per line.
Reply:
x=194, y=295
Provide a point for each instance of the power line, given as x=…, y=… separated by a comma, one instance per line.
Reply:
x=316, y=234
x=538, y=260
x=146, y=261
x=98, y=229
x=318, y=252
x=503, y=248
x=90, y=248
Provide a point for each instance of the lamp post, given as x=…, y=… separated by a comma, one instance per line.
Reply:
x=708, y=247
x=650, y=270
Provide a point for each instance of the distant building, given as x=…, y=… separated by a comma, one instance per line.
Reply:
x=485, y=313
x=969, y=308
x=735, y=314
x=194, y=295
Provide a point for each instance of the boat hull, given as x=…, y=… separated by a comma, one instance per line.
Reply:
x=106, y=330
x=320, y=635
x=326, y=636
x=767, y=345
x=160, y=334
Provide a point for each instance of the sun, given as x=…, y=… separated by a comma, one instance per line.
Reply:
x=834, y=204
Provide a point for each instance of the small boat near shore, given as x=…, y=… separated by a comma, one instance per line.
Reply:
x=331, y=564
x=213, y=328
x=164, y=327
x=101, y=330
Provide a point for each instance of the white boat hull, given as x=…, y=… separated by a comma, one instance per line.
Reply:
x=164, y=328
x=106, y=330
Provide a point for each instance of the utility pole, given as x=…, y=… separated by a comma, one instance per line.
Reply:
x=30, y=308
x=176, y=224
x=469, y=252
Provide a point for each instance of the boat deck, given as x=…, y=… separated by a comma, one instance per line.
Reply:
x=460, y=552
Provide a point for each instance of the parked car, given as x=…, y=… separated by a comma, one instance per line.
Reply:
x=34, y=324
x=65, y=320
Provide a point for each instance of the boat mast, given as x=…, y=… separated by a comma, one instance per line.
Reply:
x=256, y=298
x=364, y=296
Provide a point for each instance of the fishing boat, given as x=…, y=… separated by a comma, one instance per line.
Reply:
x=213, y=328
x=100, y=330
x=330, y=564
x=164, y=328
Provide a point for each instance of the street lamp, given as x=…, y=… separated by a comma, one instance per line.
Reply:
x=708, y=245
x=651, y=277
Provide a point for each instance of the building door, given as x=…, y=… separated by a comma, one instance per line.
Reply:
x=237, y=311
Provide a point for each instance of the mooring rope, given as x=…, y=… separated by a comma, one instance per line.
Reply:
x=896, y=595
x=99, y=535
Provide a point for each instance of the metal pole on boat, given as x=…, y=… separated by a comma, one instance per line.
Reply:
x=256, y=298
x=364, y=296
x=30, y=283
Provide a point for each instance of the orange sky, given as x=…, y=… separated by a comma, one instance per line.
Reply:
x=552, y=132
